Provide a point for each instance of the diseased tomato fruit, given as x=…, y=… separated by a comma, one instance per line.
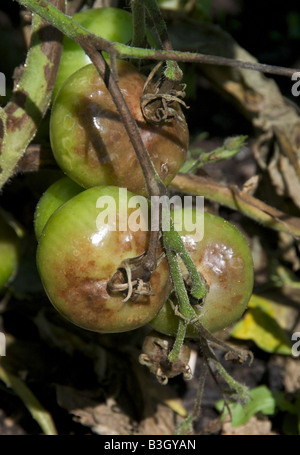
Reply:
x=112, y=24
x=77, y=254
x=9, y=252
x=224, y=259
x=57, y=194
x=90, y=143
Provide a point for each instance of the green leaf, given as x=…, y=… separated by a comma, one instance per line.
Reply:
x=261, y=400
x=231, y=147
x=260, y=325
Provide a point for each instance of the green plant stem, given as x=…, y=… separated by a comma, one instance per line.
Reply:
x=57, y=18
x=75, y=31
x=172, y=70
x=238, y=391
x=173, y=245
x=123, y=51
x=31, y=97
x=241, y=391
x=139, y=23
x=182, y=297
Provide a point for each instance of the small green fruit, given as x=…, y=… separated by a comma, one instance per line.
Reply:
x=9, y=252
x=57, y=194
x=112, y=24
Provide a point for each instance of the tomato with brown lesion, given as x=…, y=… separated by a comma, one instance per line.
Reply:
x=90, y=142
x=224, y=260
x=76, y=258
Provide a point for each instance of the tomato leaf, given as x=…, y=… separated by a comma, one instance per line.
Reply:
x=261, y=400
x=260, y=325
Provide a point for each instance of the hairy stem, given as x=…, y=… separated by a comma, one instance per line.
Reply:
x=139, y=23
x=173, y=245
x=21, y=117
x=73, y=30
x=172, y=71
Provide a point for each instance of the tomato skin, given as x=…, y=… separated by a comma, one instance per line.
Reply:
x=90, y=143
x=75, y=260
x=224, y=259
x=57, y=194
x=9, y=252
x=112, y=24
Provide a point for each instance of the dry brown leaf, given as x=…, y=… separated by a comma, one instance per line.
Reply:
x=250, y=186
x=108, y=418
x=289, y=252
x=292, y=375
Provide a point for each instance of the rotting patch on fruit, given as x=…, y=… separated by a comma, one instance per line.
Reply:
x=76, y=259
x=89, y=140
x=224, y=259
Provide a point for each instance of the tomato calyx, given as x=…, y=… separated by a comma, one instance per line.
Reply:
x=133, y=277
x=159, y=98
x=155, y=350
x=124, y=280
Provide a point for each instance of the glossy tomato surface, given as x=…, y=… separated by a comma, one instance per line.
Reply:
x=224, y=259
x=77, y=255
x=57, y=194
x=112, y=24
x=90, y=143
x=9, y=252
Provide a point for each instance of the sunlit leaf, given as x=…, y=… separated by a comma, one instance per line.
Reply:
x=261, y=400
x=260, y=325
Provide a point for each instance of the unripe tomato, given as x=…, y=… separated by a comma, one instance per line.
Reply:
x=57, y=194
x=9, y=252
x=76, y=256
x=224, y=259
x=90, y=143
x=112, y=24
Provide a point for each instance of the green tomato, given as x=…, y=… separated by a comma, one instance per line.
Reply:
x=89, y=140
x=224, y=259
x=112, y=24
x=9, y=252
x=77, y=255
x=57, y=194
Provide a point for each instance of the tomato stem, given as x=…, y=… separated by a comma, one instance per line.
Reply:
x=31, y=94
x=172, y=71
x=75, y=31
x=174, y=246
x=139, y=23
x=238, y=391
